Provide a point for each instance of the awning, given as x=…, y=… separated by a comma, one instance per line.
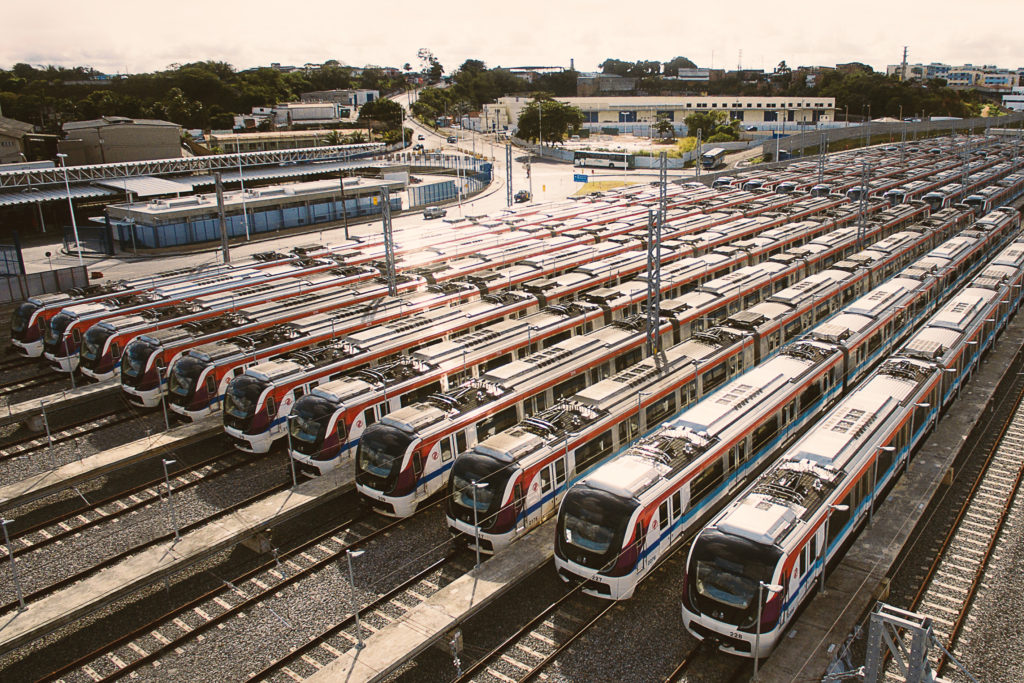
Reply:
x=288, y=171
x=38, y=196
x=147, y=186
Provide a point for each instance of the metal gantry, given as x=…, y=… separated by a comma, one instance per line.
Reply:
x=389, y=243
x=194, y=165
x=906, y=637
x=822, y=153
x=862, y=223
x=654, y=229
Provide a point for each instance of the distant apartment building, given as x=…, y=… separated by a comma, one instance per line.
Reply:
x=233, y=143
x=964, y=76
x=114, y=139
x=12, y=140
x=590, y=84
x=1015, y=100
x=608, y=112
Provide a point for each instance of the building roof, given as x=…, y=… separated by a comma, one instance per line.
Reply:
x=38, y=196
x=14, y=128
x=148, y=186
x=115, y=121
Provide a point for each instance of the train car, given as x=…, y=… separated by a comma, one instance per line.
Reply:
x=622, y=519
x=328, y=423
x=800, y=514
x=99, y=355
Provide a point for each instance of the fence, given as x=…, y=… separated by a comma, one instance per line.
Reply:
x=20, y=287
x=894, y=131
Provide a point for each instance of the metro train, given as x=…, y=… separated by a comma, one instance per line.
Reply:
x=798, y=516
x=516, y=461
x=617, y=522
x=329, y=421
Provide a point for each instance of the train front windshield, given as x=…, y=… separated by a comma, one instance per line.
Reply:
x=55, y=331
x=181, y=382
x=133, y=361
x=240, y=400
x=467, y=470
x=309, y=421
x=591, y=526
x=20, y=317
x=92, y=344
x=725, y=572
x=380, y=455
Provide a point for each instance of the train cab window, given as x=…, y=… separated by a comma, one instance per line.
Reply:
x=559, y=471
x=299, y=392
x=237, y=371
x=663, y=514
x=677, y=504
x=76, y=335
x=115, y=350
x=211, y=385
x=271, y=406
x=545, y=480
x=446, y=449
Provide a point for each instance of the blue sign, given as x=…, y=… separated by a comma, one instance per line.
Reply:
x=579, y=178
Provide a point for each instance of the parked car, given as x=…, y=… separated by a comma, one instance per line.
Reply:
x=434, y=212
x=417, y=147
x=452, y=138
x=420, y=137
x=522, y=196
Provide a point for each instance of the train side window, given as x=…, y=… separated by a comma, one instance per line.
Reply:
x=299, y=392
x=446, y=449
x=211, y=384
x=702, y=484
x=76, y=335
x=237, y=371
x=545, y=480
x=663, y=514
x=460, y=442
x=271, y=406
x=368, y=418
x=559, y=471
x=160, y=362
x=417, y=464
x=677, y=504
x=115, y=350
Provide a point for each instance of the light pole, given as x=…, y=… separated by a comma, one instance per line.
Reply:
x=349, y=554
x=529, y=338
x=824, y=546
x=772, y=588
x=476, y=525
x=241, y=183
x=874, y=473
x=170, y=501
x=71, y=208
x=14, y=568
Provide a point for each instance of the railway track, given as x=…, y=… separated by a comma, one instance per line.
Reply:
x=30, y=383
x=955, y=575
x=255, y=588
x=34, y=442
x=115, y=558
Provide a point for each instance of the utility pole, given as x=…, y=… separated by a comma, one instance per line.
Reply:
x=389, y=243
x=344, y=209
x=696, y=159
x=654, y=228
x=862, y=223
x=223, y=222
x=822, y=152
x=508, y=175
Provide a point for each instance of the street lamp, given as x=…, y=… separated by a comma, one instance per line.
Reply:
x=241, y=183
x=874, y=473
x=476, y=526
x=170, y=501
x=772, y=588
x=349, y=554
x=288, y=430
x=824, y=554
x=71, y=208
x=529, y=339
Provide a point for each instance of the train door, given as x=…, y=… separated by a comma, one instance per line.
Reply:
x=417, y=470
x=519, y=502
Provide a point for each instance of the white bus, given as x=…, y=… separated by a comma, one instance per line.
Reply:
x=712, y=158
x=603, y=159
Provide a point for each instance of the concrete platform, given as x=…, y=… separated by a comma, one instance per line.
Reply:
x=31, y=412
x=63, y=607
x=74, y=473
x=429, y=621
x=858, y=582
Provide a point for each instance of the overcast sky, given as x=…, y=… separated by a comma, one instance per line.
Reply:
x=120, y=35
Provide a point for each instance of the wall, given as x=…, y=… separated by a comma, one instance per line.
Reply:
x=21, y=287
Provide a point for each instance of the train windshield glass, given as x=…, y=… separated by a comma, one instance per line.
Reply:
x=591, y=526
x=309, y=420
x=135, y=357
x=183, y=376
x=56, y=329
x=20, y=317
x=726, y=571
x=380, y=455
x=242, y=394
x=93, y=341
x=469, y=469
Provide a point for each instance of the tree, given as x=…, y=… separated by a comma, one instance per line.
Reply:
x=552, y=118
x=705, y=122
x=664, y=128
x=385, y=112
x=672, y=66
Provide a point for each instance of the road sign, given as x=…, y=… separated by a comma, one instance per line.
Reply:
x=579, y=178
